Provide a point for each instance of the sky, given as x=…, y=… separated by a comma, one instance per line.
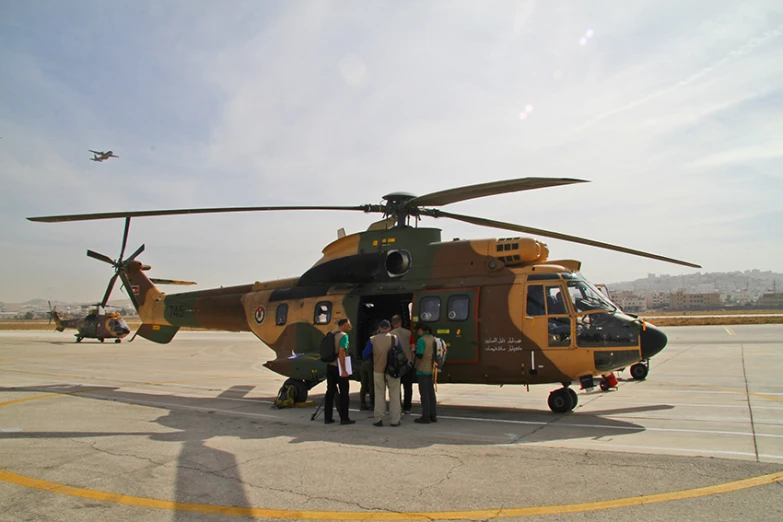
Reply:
x=673, y=111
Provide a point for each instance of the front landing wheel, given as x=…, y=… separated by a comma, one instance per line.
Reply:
x=639, y=371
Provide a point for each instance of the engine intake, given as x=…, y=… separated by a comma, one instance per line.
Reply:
x=398, y=262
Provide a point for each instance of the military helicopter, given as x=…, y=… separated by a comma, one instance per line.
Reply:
x=508, y=313
x=102, y=156
x=98, y=324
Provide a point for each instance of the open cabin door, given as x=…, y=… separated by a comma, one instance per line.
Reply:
x=453, y=316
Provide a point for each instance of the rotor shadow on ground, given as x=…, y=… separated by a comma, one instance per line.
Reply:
x=234, y=414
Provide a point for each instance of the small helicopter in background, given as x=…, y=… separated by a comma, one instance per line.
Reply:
x=95, y=325
x=102, y=156
x=508, y=313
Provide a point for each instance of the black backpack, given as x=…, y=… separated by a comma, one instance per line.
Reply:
x=397, y=363
x=328, y=353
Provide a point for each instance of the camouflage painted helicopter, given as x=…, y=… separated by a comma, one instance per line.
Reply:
x=508, y=313
x=102, y=156
x=95, y=325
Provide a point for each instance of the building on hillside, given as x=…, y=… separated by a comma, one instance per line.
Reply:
x=706, y=301
x=772, y=300
x=657, y=300
x=629, y=301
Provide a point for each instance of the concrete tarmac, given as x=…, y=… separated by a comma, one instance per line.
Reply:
x=186, y=431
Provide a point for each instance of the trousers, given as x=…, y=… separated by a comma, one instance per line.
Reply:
x=333, y=383
x=428, y=399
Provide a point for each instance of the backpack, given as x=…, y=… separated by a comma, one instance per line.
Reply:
x=439, y=355
x=397, y=363
x=328, y=353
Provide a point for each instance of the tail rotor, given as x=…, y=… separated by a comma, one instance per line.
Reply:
x=119, y=265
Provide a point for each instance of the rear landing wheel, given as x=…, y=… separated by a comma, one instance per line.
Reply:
x=574, y=397
x=78, y=339
x=561, y=401
x=101, y=339
x=118, y=340
x=300, y=386
x=639, y=371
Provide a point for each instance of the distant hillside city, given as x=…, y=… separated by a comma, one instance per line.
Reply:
x=751, y=289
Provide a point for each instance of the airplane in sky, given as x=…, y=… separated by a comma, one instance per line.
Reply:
x=101, y=156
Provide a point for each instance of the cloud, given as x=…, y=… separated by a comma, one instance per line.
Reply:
x=671, y=111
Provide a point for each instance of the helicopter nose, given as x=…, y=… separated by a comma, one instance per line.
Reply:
x=653, y=340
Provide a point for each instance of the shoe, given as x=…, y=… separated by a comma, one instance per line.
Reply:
x=379, y=423
x=395, y=425
x=421, y=420
x=406, y=412
x=433, y=419
x=328, y=421
x=347, y=421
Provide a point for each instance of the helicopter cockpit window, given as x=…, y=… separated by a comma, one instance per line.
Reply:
x=555, y=301
x=585, y=297
x=429, y=309
x=323, y=312
x=535, y=300
x=282, y=314
x=458, y=307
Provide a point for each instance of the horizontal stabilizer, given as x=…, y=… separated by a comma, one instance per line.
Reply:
x=157, y=333
x=171, y=282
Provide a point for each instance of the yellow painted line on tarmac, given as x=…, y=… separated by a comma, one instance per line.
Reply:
x=292, y=514
x=717, y=388
x=17, y=401
x=47, y=396
x=180, y=381
x=729, y=330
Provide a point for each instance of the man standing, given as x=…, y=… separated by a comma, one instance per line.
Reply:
x=379, y=350
x=425, y=351
x=337, y=377
x=404, y=336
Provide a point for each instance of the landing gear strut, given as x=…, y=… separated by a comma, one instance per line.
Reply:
x=563, y=400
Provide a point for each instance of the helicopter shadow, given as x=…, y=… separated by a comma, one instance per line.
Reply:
x=208, y=474
x=233, y=414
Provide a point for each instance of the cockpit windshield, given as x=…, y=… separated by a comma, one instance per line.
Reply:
x=585, y=297
x=121, y=323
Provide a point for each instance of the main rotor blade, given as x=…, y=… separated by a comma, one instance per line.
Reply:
x=444, y=197
x=147, y=213
x=108, y=290
x=124, y=237
x=100, y=257
x=556, y=235
x=170, y=281
x=136, y=253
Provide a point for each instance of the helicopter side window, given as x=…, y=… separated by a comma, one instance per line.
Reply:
x=458, y=307
x=430, y=309
x=323, y=312
x=555, y=302
x=282, y=314
x=535, y=300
